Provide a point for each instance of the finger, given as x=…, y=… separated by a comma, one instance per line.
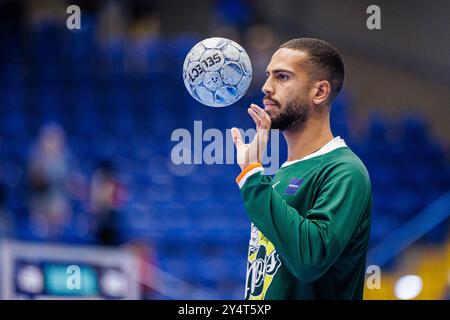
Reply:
x=237, y=138
x=265, y=118
x=258, y=110
x=255, y=117
x=265, y=124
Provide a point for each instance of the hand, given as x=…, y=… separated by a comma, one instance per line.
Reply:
x=252, y=152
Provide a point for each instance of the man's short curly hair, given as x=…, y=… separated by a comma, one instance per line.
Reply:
x=325, y=58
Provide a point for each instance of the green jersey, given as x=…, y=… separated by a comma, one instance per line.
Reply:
x=310, y=226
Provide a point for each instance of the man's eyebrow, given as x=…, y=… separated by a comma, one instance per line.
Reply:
x=280, y=70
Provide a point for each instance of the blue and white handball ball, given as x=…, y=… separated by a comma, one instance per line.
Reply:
x=217, y=72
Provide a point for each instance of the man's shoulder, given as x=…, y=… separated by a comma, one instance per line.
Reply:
x=336, y=163
x=343, y=161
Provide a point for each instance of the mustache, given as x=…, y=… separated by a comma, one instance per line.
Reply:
x=271, y=100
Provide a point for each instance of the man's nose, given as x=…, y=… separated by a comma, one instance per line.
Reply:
x=267, y=88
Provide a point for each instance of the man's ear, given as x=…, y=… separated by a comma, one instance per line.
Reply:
x=322, y=91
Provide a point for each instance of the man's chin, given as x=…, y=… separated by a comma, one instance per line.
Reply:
x=275, y=123
x=273, y=113
x=273, y=119
x=278, y=121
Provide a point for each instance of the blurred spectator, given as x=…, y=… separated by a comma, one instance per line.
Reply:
x=49, y=169
x=107, y=195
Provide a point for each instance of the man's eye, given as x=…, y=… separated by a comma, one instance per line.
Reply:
x=283, y=77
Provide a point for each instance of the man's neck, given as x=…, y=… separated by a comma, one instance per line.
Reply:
x=311, y=137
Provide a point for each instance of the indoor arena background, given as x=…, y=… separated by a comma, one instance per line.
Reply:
x=86, y=118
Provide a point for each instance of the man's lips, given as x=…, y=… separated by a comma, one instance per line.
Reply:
x=268, y=104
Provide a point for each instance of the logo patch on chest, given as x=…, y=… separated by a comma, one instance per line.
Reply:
x=293, y=186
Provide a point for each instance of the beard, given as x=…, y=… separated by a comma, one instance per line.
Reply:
x=293, y=116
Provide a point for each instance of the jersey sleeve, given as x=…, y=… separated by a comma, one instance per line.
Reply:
x=308, y=243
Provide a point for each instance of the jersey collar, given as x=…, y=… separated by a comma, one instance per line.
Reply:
x=333, y=144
